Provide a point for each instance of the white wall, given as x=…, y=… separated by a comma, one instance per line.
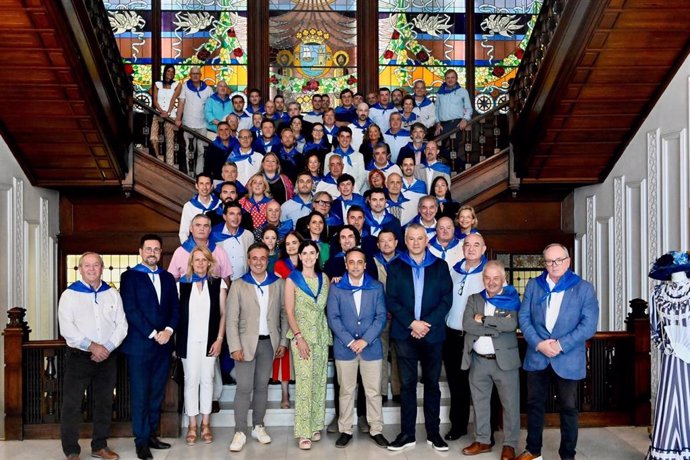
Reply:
x=28, y=275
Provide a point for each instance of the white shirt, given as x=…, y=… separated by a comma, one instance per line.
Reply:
x=554, y=306
x=85, y=318
x=193, y=115
x=357, y=296
x=188, y=213
x=332, y=189
x=248, y=167
x=262, y=297
x=463, y=287
x=292, y=210
x=485, y=345
x=452, y=256
x=356, y=170
x=236, y=249
x=396, y=142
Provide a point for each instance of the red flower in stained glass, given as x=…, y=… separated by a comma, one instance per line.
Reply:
x=273, y=79
x=498, y=71
x=351, y=81
x=388, y=54
x=231, y=33
x=519, y=53
x=395, y=35
x=129, y=69
x=203, y=54
x=422, y=56
x=238, y=52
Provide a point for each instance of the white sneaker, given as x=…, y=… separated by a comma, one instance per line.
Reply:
x=238, y=442
x=259, y=433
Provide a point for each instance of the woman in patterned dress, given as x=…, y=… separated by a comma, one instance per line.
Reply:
x=670, y=329
x=257, y=198
x=306, y=293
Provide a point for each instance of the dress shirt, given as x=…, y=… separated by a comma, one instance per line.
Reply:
x=463, y=287
x=262, y=297
x=554, y=306
x=236, y=250
x=485, y=345
x=418, y=280
x=188, y=213
x=82, y=320
x=180, y=260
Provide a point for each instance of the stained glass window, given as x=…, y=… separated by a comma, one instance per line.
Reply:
x=419, y=39
x=502, y=30
x=211, y=34
x=313, y=46
x=114, y=265
x=131, y=24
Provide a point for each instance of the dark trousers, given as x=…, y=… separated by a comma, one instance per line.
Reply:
x=148, y=376
x=458, y=380
x=410, y=352
x=79, y=372
x=566, y=392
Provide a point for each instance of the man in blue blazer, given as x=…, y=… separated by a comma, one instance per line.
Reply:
x=356, y=312
x=559, y=314
x=150, y=301
x=419, y=294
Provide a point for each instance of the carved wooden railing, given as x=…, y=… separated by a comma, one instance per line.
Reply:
x=33, y=389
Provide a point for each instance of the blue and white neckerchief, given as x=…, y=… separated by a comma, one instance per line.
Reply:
x=270, y=279
x=426, y=101
x=382, y=260
x=397, y=204
x=417, y=186
x=328, y=178
x=372, y=222
x=372, y=165
x=288, y=155
x=507, y=299
x=190, y=244
x=461, y=236
x=217, y=98
x=298, y=199
x=409, y=120
x=429, y=230
x=438, y=167
x=298, y=278
x=193, y=279
x=145, y=269
x=445, y=89
x=458, y=267
x=568, y=280
x=378, y=106
x=191, y=87
x=81, y=286
x=218, y=234
x=198, y=204
x=364, y=127
x=256, y=205
x=402, y=132
x=333, y=131
x=436, y=245
x=251, y=109
x=236, y=156
x=272, y=179
x=346, y=155
x=367, y=283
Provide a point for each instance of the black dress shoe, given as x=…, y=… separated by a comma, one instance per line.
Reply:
x=454, y=435
x=155, y=443
x=343, y=440
x=401, y=442
x=380, y=440
x=144, y=453
x=215, y=407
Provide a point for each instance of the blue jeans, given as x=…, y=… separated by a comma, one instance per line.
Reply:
x=410, y=351
x=566, y=392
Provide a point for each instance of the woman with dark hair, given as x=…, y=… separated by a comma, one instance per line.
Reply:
x=269, y=237
x=279, y=184
x=318, y=143
x=314, y=166
x=199, y=337
x=446, y=206
x=306, y=293
x=165, y=95
x=372, y=137
x=316, y=225
x=296, y=127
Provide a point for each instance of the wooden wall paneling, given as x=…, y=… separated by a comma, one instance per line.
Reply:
x=259, y=57
x=367, y=46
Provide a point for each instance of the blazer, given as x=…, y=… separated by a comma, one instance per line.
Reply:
x=144, y=313
x=347, y=325
x=576, y=323
x=436, y=299
x=420, y=173
x=242, y=317
x=500, y=327
x=214, y=287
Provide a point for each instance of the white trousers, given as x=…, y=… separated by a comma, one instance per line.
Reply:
x=198, y=379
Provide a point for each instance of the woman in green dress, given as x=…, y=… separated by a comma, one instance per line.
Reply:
x=306, y=293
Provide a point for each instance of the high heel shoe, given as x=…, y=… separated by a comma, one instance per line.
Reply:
x=190, y=439
x=206, y=434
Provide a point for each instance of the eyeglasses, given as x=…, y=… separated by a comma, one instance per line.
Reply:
x=317, y=130
x=555, y=262
x=322, y=202
x=461, y=287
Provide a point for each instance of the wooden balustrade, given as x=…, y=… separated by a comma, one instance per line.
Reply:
x=33, y=389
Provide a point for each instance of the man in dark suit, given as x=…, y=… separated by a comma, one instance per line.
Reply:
x=419, y=295
x=150, y=301
x=559, y=313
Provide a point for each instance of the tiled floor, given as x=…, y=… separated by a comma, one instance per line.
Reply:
x=619, y=443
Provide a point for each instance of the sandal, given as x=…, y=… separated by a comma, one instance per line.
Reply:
x=206, y=434
x=285, y=405
x=304, y=443
x=316, y=437
x=190, y=439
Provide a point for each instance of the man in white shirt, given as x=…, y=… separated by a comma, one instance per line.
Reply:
x=244, y=118
x=234, y=239
x=381, y=161
x=424, y=107
x=445, y=245
x=248, y=160
x=395, y=136
x=92, y=321
x=426, y=217
x=380, y=112
x=190, y=113
x=404, y=207
x=353, y=161
x=467, y=280
x=299, y=205
x=360, y=125
x=411, y=185
x=202, y=202
x=329, y=183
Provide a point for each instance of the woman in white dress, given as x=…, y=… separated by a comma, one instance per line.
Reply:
x=199, y=338
x=165, y=94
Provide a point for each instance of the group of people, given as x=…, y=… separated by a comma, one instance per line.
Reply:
x=337, y=237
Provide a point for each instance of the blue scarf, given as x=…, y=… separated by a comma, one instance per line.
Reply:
x=283, y=227
x=367, y=283
x=323, y=144
x=194, y=279
x=218, y=236
x=397, y=204
x=445, y=89
x=288, y=262
x=329, y=179
x=217, y=98
x=429, y=259
x=439, y=167
x=345, y=155
x=356, y=199
x=270, y=279
x=298, y=199
x=417, y=186
x=255, y=205
x=410, y=119
x=508, y=299
x=273, y=179
x=411, y=146
x=568, y=280
x=191, y=87
x=236, y=156
x=197, y=204
x=373, y=223
x=364, y=127
x=378, y=256
x=435, y=244
x=418, y=220
x=372, y=165
x=251, y=110
x=426, y=101
x=402, y=132
x=144, y=269
x=478, y=269
x=80, y=286
x=191, y=244
x=288, y=156
x=461, y=236
x=332, y=131
x=218, y=142
x=378, y=106
x=298, y=278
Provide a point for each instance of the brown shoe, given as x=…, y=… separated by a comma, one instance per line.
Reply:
x=105, y=453
x=476, y=448
x=508, y=453
x=526, y=455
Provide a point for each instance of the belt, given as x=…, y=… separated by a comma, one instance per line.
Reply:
x=455, y=332
x=264, y=337
x=491, y=356
x=77, y=351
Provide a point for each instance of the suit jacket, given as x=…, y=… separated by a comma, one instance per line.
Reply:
x=576, y=323
x=500, y=327
x=436, y=299
x=144, y=312
x=347, y=325
x=420, y=173
x=242, y=317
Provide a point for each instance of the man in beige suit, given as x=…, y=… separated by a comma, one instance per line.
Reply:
x=256, y=326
